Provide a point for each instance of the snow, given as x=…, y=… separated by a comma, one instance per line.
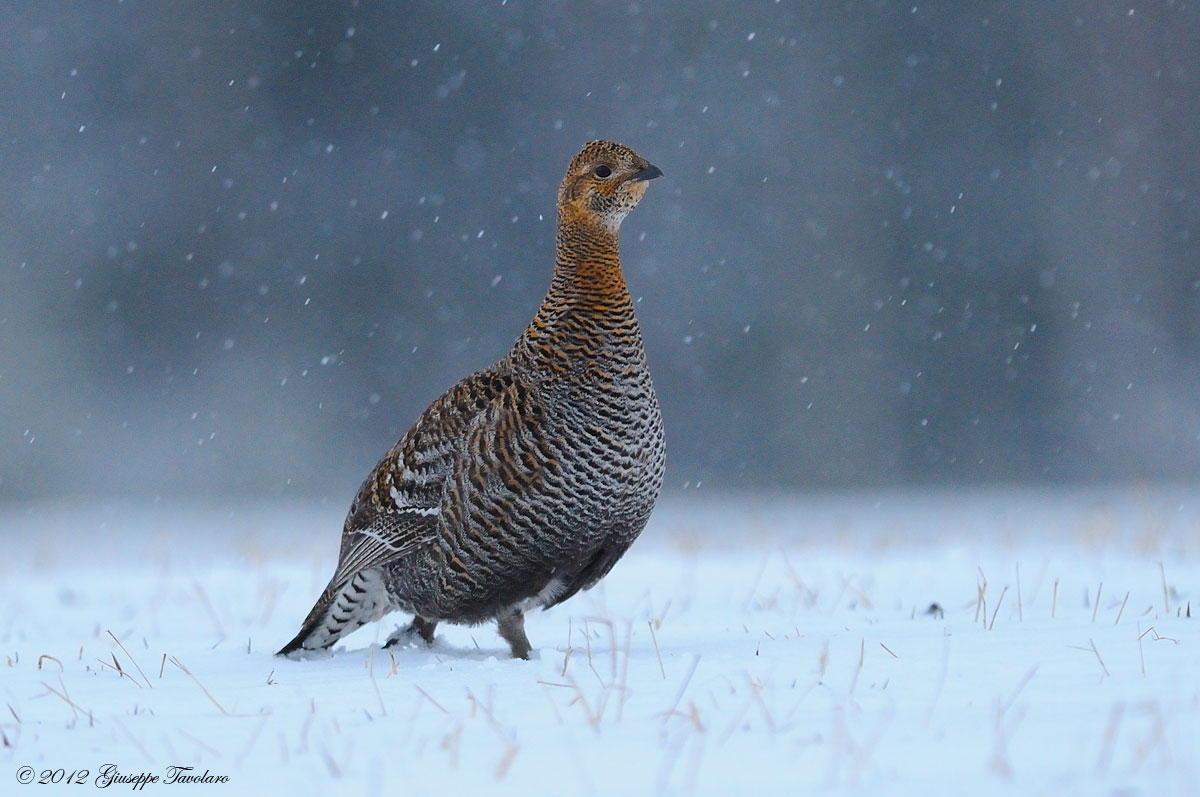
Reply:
x=774, y=645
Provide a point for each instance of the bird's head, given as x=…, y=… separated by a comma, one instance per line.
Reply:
x=604, y=182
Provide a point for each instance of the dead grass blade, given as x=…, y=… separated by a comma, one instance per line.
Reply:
x=76, y=709
x=203, y=688
x=654, y=639
x=682, y=688
x=131, y=658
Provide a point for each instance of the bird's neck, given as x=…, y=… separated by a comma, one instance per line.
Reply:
x=588, y=300
x=587, y=261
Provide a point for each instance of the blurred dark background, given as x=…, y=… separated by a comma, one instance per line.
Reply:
x=243, y=244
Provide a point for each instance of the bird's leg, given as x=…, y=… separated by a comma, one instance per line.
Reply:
x=511, y=624
x=419, y=627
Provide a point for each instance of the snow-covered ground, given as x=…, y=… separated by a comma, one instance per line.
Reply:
x=930, y=643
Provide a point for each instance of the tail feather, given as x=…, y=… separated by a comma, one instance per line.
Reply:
x=360, y=600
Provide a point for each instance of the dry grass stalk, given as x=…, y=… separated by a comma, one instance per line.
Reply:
x=566, y=660
x=1000, y=763
x=1054, y=599
x=657, y=652
x=1020, y=687
x=131, y=658
x=937, y=693
x=252, y=741
x=1110, y=736
x=996, y=611
x=1157, y=637
x=208, y=608
x=1166, y=592
x=980, y=600
x=199, y=743
x=203, y=688
x=1155, y=737
x=451, y=744
x=47, y=656
x=587, y=637
x=1121, y=610
x=1093, y=643
x=593, y=717
x=889, y=650
x=76, y=709
x=682, y=688
x=136, y=741
x=762, y=568
x=1096, y=606
x=116, y=667
x=1020, y=609
x=623, y=679
x=429, y=697
x=505, y=737
x=862, y=654
x=375, y=684
x=756, y=692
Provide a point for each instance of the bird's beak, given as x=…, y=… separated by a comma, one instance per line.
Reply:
x=649, y=173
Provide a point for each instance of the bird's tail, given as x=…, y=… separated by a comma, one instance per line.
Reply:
x=359, y=600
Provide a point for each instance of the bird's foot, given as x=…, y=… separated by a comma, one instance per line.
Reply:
x=419, y=629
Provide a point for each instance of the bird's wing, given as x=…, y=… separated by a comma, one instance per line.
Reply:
x=398, y=507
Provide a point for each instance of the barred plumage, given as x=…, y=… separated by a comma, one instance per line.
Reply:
x=526, y=481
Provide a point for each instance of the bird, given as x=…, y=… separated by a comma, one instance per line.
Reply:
x=526, y=481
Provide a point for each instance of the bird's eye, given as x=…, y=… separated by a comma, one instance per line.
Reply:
x=603, y=171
